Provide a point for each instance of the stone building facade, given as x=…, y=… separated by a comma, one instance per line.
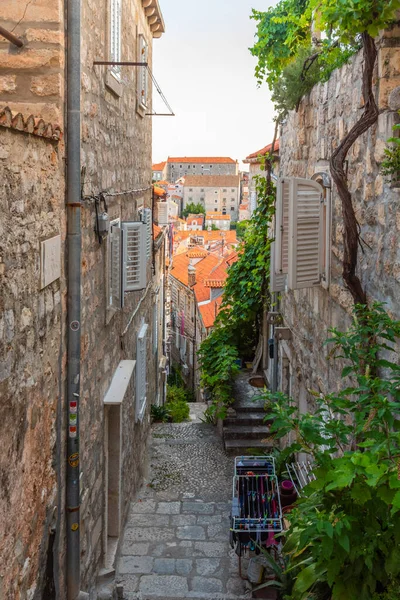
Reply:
x=177, y=167
x=307, y=140
x=122, y=354
x=216, y=193
x=256, y=168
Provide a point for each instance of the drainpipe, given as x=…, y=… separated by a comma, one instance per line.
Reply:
x=74, y=298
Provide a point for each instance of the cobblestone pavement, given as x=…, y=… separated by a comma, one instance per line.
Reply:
x=176, y=542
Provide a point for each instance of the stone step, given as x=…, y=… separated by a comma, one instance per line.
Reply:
x=252, y=432
x=239, y=447
x=187, y=596
x=250, y=418
x=248, y=406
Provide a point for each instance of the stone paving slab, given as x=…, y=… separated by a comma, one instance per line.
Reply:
x=176, y=541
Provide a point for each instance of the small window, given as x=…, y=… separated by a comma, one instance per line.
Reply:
x=190, y=199
x=232, y=208
x=216, y=200
x=141, y=373
x=115, y=36
x=232, y=189
x=224, y=190
x=114, y=266
x=215, y=209
x=202, y=198
x=224, y=199
x=143, y=79
x=232, y=199
x=190, y=189
x=202, y=189
x=216, y=192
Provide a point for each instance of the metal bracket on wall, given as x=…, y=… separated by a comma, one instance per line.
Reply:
x=128, y=63
x=282, y=333
x=273, y=318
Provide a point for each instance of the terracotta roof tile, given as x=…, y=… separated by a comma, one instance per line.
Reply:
x=32, y=125
x=200, y=159
x=263, y=151
x=156, y=231
x=159, y=191
x=210, y=216
x=158, y=166
x=210, y=311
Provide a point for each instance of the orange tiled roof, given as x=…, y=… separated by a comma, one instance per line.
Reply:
x=159, y=191
x=209, y=312
x=217, y=216
x=263, y=151
x=33, y=125
x=158, y=166
x=156, y=231
x=210, y=236
x=197, y=253
x=163, y=182
x=201, y=159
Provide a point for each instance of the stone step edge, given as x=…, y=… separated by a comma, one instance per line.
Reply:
x=189, y=596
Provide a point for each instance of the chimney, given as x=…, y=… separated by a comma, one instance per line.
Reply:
x=191, y=275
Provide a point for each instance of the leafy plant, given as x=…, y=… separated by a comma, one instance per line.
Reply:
x=344, y=533
x=159, y=414
x=238, y=322
x=391, y=165
x=178, y=410
x=176, y=394
x=193, y=209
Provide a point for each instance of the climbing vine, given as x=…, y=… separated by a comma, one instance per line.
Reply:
x=245, y=294
x=344, y=535
x=330, y=30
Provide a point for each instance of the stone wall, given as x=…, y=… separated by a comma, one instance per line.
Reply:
x=307, y=140
x=31, y=351
x=32, y=77
x=116, y=158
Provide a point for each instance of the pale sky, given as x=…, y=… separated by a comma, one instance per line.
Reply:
x=206, y=72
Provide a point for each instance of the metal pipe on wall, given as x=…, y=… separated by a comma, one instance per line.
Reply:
x=73, y=200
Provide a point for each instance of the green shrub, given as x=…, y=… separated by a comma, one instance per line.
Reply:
x=178, y=410
x=159, y=413
x=176, y=393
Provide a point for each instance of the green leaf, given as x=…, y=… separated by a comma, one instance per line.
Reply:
x=344, y=542
x=306, y=578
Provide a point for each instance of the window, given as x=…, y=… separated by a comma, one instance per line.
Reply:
x=141, y=374
x=143, y=84
x=127, y=260
x=216, y=199
x=232, y=189
x=215, y=191
x=232, y=208
x=189, y=167
x=202, y=189
x=224, y=190
x=190, y=198
x=202, y=198
x=224, y=199
x=155, y=325
x=224, y=211
x=232, y=199
x=115, y=36
x=302, y=234
x=190, y=189
x=215, y=209
x=146, y=217
x=114, y=266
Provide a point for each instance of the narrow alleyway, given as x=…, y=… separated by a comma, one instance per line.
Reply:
x=176, y=542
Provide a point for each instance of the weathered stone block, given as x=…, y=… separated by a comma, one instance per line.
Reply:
x=158, y=584
x=47, y=85
x=8, y=84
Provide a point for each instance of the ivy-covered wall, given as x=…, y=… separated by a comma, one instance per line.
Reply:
x=307, y=140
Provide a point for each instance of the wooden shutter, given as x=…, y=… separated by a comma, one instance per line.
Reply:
x=115, y=35
x=282, y=226
x=141, y=375
x=143, y=73
x=147, y=220
x=116, y=297
x=277, y=281
x=162, y=213
x=305, y=233
x=133, y=256
x=155, y=325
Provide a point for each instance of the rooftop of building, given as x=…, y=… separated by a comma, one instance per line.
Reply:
x=263, y=151
x=212, y=181
x=201, y=159
x=158, y=166
x=217, y=216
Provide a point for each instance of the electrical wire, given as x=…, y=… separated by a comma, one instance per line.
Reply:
x=163, y=98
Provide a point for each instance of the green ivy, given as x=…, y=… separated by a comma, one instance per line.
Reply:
x=344, y=533
x=239, y=320
x=391, y=165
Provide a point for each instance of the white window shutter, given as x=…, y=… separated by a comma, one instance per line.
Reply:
x=162, y=213
x=147, y=220
x=305, y=233
x=115, y=35
x=143, y=73
x=141, y=375
x=116, y=298
x=282, y=226
x=133, y=256
x=177, y=336
x=277, y=281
